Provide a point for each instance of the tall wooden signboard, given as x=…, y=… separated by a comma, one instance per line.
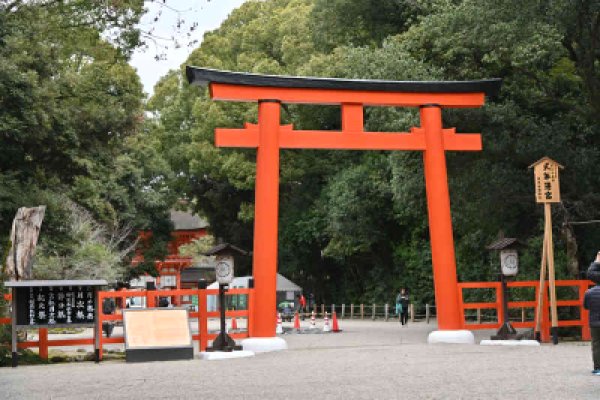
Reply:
x=547, y=191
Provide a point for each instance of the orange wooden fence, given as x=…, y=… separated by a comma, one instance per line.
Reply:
x=582, y=322
x=203, y=315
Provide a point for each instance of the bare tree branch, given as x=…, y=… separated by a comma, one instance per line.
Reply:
x=593, y=221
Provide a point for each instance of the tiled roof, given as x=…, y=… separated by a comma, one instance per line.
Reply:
x=502, y=243
x=183, y=220
x=224, y=247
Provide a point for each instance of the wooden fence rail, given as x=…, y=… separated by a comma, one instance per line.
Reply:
x=494, y=317
x=202, y=315
x=486, y=315
x=373, y=311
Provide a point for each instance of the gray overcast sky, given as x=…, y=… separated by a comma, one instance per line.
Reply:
x=208, y=14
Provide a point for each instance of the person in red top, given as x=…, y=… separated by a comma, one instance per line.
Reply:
x=301, y=305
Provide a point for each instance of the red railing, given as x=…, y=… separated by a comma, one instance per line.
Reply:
x=203, y=315
x=582, y=286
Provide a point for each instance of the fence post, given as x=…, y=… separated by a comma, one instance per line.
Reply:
x=522, y=314
x=387, y=311
x=351, y=311
x=343, y=311
x=43, y=343
x=545, y=329
x=411, y=310
x=98, y=327
x=583, y=313
x=373, y=312
x=362, y=311
x=150, y=299
x=499, y=305
x=478, y=315
x=203, y=317
x=427, y=313
x=322, y=310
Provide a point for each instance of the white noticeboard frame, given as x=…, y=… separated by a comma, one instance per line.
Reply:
x=157, y=334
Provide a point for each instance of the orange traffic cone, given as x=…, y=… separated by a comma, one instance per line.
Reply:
x=335, y=327
x=326, y=327
x=233, y=324
x=297, y=322
x=279, y=329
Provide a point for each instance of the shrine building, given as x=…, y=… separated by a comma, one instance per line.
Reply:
x=187, y=227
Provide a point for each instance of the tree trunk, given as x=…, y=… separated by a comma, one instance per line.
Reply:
x=571, y=243
x=24, y=236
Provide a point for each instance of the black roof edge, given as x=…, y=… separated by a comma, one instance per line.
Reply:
x=503, y=243
x=225, y=247
x=203, y=76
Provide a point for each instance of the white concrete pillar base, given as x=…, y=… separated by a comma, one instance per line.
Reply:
x=458, y=337
x=263, y=345
x=488, y=342
x=225, y=355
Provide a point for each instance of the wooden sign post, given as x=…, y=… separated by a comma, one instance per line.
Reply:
x=547, y=191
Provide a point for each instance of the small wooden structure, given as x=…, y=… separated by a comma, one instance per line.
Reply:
x=224, y=271
x=507, y=247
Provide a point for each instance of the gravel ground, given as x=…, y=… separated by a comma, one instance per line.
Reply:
x=368, y=360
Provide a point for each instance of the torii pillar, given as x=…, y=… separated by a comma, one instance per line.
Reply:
x=269, y=136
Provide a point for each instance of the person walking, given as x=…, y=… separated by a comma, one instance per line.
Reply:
x=302, y=305
x=399, y=304
x=404, y=306
x=591, y=302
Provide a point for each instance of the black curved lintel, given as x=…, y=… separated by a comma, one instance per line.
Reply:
x=204, y=76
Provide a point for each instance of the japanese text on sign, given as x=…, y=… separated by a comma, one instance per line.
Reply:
x=58, y=305
x=547, y=189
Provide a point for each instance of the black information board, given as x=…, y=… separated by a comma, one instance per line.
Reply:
x=40, y=304
x=54, y=303
x=48, y=306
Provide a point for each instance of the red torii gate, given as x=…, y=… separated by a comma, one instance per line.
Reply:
x=268, y=136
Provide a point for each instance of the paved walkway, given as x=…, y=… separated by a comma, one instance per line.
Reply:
x=368, y=360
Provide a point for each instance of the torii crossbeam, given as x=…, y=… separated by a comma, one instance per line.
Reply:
x=269, y=136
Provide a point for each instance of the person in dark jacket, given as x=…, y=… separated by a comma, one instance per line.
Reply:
x=108, y=308
x=591, y=302
x=404, y=302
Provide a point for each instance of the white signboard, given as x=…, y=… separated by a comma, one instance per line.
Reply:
x=509, y=261
x=168, y=280
x=224, y=270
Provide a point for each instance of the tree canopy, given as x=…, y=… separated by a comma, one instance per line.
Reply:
x=353, y=226
x=72, y=132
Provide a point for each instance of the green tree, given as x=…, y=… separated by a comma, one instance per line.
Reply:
x=71, y=117
x=355, y=23
x=353, y=226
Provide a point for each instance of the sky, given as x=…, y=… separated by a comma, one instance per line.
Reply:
x=208, y=14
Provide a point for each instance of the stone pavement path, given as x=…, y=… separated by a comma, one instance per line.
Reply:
x=368, y=360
